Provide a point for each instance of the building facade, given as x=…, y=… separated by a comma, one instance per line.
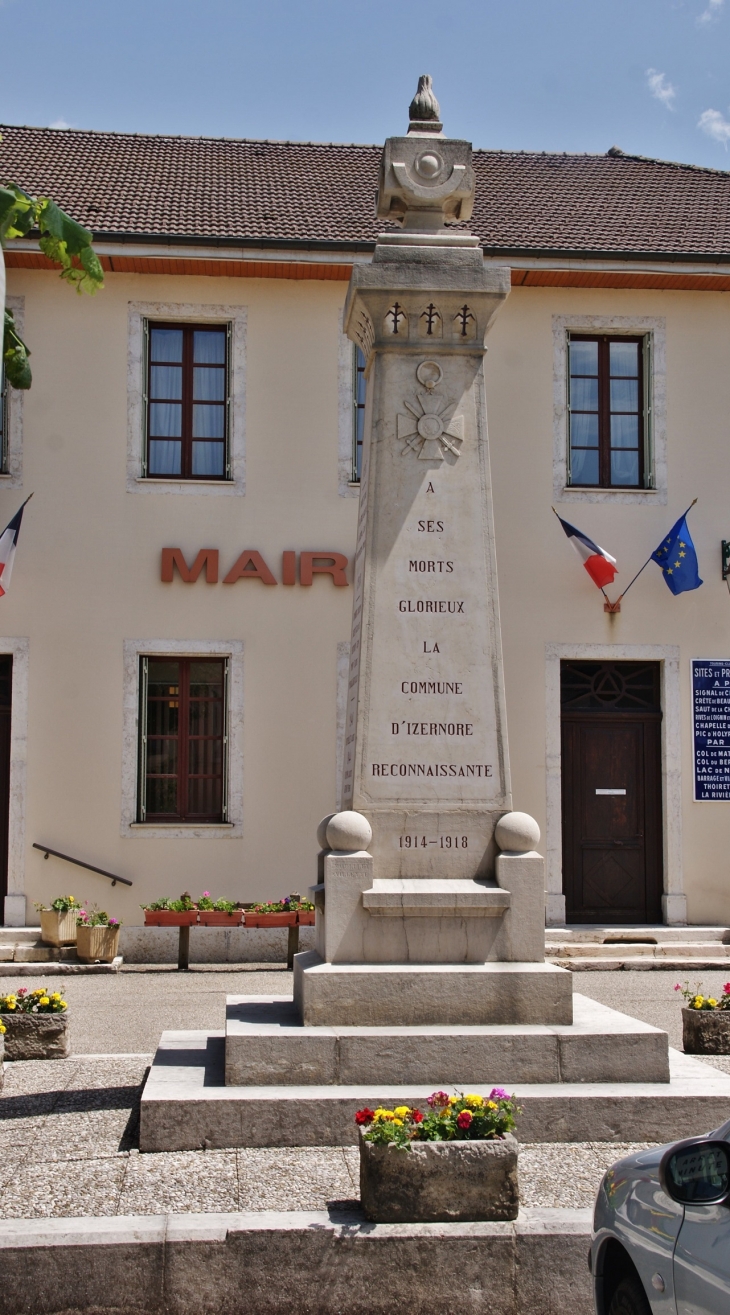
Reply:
x=174, y=645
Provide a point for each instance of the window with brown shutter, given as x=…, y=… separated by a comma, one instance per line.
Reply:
x=607, y=411
x=187, y=402
x=182, y=740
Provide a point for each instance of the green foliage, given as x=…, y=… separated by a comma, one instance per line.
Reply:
x=15, y=355
x=64, y=241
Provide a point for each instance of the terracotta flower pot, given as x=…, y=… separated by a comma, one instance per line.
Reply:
x=305, y=917
x=270, y=919
x=214, y=918
x=167, y=918
x=439, y=1181
x=58, y=928
x=97, y=944
x=706, y=1031
x=36, y=1036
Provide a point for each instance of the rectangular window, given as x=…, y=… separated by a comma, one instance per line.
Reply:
x=183, y=739
x=608, y=412
x=3, y=421
x=358, y=412
x=187, y=402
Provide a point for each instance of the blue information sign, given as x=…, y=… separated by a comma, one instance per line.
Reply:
x=711, y=727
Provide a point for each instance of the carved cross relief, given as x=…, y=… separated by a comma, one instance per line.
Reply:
x=430, y=429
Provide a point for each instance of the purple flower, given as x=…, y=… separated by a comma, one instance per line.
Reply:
x=113, y=922
x=499, y=1093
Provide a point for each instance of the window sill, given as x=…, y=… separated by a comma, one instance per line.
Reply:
x=598, y=488
x=183, y=830
x=174, y=481
x=180, y=826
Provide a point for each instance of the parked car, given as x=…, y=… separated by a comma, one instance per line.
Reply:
x=661, y=1231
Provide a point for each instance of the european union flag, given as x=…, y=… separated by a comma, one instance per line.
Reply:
x=678, y=559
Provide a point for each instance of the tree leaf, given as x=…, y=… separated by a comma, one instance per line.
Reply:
x=15, y=355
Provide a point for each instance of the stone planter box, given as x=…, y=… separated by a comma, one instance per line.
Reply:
x=97, y=944
x=36, y=1036
x=270, y=919
x=439, y=1182
x=706, y=1031
x=213, y=918
x=166, y=918
x=58, y=928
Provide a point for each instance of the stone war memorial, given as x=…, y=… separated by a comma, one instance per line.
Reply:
x=429, y=969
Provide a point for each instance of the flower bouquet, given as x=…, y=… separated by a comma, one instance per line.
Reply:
x=457, y=1160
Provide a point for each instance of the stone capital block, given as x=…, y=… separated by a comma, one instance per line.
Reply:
x=346, y=876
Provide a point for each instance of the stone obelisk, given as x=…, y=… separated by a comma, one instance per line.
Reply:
x=420, y=919
x=426, y=756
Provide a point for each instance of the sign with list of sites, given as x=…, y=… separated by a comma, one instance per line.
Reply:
x=711, y=728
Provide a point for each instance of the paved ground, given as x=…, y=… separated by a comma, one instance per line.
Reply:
x=68, y=1128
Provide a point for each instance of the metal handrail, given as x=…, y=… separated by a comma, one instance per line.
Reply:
x=46, y=850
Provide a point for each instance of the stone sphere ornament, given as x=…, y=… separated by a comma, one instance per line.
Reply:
x=517, y=833
x=429, y=164
x=349, y=832
x=322, y=830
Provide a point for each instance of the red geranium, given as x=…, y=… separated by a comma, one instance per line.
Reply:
x=364, y=1116
x=464, y=1119
x=417, y=1116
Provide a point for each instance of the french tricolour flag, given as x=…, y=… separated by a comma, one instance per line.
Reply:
x=8, y=544
x=600, y=565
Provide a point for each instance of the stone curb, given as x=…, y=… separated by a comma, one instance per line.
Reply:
x=56, y=968
x=298, y=1263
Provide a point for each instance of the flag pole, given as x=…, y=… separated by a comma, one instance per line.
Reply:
x=646, y=563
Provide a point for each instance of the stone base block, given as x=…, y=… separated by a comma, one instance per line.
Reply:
x=274, y=1263
x=266, y=1045
x=186, y=1105
x=439, y=1182
x=413, y=994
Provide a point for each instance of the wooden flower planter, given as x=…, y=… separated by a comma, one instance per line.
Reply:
x=214, y=918
x=270, y=919
x=58, y=928
x=36, y=1036
x=440, y=1182
x=305, y=918
x=168, y=918
x=97, y=944
x=706, y=1031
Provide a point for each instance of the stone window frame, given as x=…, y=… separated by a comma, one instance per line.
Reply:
x=12, y=477
x=674, y=900
x=653, y=327
x=346, y=486
x=189, y=313
x=133, y=650
x=19, y=650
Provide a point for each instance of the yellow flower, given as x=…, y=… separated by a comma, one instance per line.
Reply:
x=44, y=1000
x=383, y=1116
x=56, y=995
x=698, y=1002
x=3, y=1027
x=402, y=1111
x=492, y=1105
x=453, y=1100
x=474, y=1102
x=11, y=1004
x=40, y=991
x=397, y=1122
x=711, y=1001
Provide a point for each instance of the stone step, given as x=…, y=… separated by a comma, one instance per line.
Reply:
x=186, y=1105
x=57, y=968
x=598, y=934
x=266, y=1044
x=646, y=963
x=19, y=935
x=556, y=953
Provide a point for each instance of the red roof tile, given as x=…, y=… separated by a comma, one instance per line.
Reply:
x=273, y=193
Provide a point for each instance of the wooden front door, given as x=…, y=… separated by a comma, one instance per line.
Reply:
x=611, y=789
x=6, y=685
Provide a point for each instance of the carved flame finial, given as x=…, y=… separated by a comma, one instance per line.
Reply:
x=424, y=108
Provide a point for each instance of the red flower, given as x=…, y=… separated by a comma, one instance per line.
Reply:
x=364, y=1116
x=464, y=1119
x=417, y=1116
x=438, y=1099
x=725, y=989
